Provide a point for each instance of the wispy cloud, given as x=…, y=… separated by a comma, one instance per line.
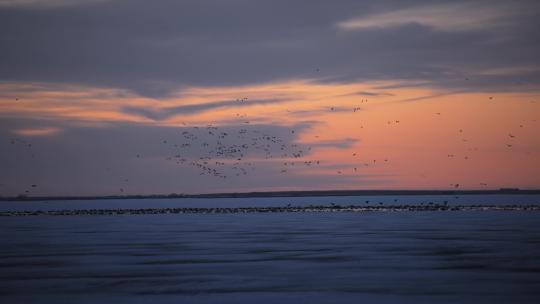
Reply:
x=321, y=110
x=344, y=143
x=446, y=17
x=37, y=131
x=371, y=94
x=430, y=96
x=164, y=113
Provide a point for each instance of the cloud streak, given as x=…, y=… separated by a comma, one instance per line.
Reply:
x=37, y=132
x=168, y=112
x=469, y=16
x=345, y=143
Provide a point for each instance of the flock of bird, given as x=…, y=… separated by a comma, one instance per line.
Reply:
x=223, y=153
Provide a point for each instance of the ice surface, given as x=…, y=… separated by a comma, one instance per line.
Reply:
x=426, y=257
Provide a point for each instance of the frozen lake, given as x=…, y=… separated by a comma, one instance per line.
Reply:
x=412, y=257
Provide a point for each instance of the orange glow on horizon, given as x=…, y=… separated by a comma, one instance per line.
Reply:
x=476, y=140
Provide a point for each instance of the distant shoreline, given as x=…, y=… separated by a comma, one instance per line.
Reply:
x=316, y=193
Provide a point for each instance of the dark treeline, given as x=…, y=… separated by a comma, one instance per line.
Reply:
x=279, y=194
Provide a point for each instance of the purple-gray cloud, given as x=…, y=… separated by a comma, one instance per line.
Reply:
x=155, y=48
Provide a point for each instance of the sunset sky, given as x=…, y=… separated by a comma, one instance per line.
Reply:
x=101, y=97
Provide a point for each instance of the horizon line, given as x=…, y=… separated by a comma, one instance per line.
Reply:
x=286, y=193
